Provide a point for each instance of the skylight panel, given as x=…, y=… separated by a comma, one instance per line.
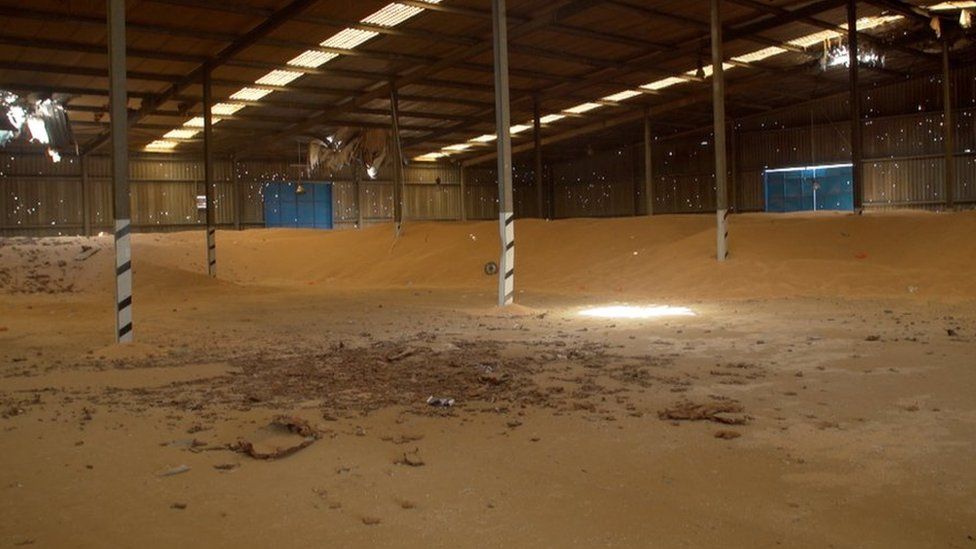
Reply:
x=279, y=78
x=550, y=118
x=181, y=134
x=162, y=145
x=583, y=107
x=392, y=15
x=348, y=39
x=622, y=96
x=487, y=138
x=953, y=5
x=664, y=83
x=226, y=109
x=519, y=128
x=814, y=39
x=707, y=70
x=430, y=157
x=197, y=122
x=864, y=23
x=312, y=59
x=249, y=94
x=457, y=148
x=759, y=55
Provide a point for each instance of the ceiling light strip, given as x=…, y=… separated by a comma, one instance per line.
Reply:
x=865, y=23
x=389, y=16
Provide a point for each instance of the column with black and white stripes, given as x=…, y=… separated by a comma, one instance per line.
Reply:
x=208, y=173
x=123, y=281
x=120, y=171
x=718, y=107
x=503, y=120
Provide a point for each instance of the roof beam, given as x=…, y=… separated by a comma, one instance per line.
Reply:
x=630, y=116
x=552, y=13
x=637, y=63
x=911, y=11
x=100, y=49
x=777, y=11
x=248, y=39
x=670, y=106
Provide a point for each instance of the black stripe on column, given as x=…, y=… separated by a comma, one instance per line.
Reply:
x=125, y=267
x=212, y=247
x=510, y=273
x=125, y=329
x=510, y=245
x=214, y=262
x=127, y=302
x=509, y=220
x=124, y=231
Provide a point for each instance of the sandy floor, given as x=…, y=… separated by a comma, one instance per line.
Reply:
x=820, y=395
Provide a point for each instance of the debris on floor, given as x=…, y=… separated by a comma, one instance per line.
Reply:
x=728, y=413
x=175, y=471
x=282, y=437
x=409, y=461
x=440, y=402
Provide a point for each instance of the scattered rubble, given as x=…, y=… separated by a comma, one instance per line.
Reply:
x=281, y=438
x=728, y=413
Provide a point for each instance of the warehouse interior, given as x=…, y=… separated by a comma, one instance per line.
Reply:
x=259, y=281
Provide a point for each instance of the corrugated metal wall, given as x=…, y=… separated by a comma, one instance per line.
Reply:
x=39, y=197
x=903, y=167
x=903, y=154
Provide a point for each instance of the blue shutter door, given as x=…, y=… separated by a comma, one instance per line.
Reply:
x=283, y=207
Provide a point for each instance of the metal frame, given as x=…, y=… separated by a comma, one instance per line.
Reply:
x=503, y=122
x=120, y=171
x=855, y=104
x=718, y=109
x=208, y=169
x=420, y=70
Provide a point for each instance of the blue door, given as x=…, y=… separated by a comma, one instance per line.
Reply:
x=809, y=188
x=284, y=207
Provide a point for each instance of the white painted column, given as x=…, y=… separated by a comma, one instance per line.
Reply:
x=503, y=122
x=118, y=100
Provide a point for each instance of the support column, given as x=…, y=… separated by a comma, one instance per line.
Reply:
x=86, y=216
x=3, y=208
x=118, y=99
x=734, y=171
x=635, y=182
x=551, y=184
x=238, y=195
x=503, y=123
x=537, y=137
x=357, y=178
x=948, y=126
x=464, y=213
x=855, y=100
x=718, y=101
x=397, y=159
x=208, y=174
x=648, y=165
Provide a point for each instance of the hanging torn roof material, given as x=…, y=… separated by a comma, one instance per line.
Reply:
x=359, y=148
x=45, y=120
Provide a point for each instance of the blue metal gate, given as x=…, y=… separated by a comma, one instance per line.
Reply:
x=284, y=207
x=809, y=188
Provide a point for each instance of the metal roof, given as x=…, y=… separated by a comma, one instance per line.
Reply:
x=564, y=53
